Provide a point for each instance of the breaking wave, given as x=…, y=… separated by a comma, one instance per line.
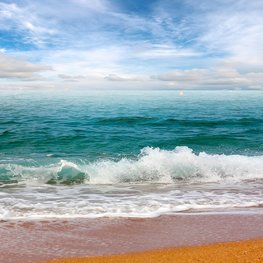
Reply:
x=153, y=165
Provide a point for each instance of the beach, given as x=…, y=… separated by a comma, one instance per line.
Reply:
x=243, y=251
x=45, y=240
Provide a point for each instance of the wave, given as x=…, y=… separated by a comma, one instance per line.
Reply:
x=126, y=120
x=153, y=165
x=159, y=121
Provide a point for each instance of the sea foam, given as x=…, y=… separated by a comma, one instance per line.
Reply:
x=156, y=182
x=153, y=165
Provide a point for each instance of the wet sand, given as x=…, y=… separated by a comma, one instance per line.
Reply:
x=243, y=251
x=38, y=241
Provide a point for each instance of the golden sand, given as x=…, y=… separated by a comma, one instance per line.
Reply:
x=243, y=251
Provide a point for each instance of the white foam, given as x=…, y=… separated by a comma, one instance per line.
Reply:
x=153, y=165
x=125, y=201
x=161, y=166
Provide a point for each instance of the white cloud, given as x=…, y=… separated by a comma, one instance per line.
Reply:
x=157, y=51
x=18, y=69
x=116, y=77
x=25, y=22
x=228, y=78
x=72, y=78
x=182, y=75
x=95, y=5
x=235, y=31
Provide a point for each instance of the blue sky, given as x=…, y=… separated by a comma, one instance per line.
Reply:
x=124, y=44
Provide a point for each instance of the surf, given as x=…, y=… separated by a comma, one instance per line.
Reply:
x=152, y=165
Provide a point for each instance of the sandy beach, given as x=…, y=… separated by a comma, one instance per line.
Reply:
x=243, y=251
x=41, y=241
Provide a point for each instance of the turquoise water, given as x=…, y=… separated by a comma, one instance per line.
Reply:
x=138, y=145
x=113, y=123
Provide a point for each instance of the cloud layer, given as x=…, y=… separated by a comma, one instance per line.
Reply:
x=147, y=44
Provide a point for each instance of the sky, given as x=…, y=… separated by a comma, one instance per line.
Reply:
x=131, y=44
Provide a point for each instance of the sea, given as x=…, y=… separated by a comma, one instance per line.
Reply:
x=113, y=153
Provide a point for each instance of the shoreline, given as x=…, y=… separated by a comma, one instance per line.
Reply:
x=45, y=240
